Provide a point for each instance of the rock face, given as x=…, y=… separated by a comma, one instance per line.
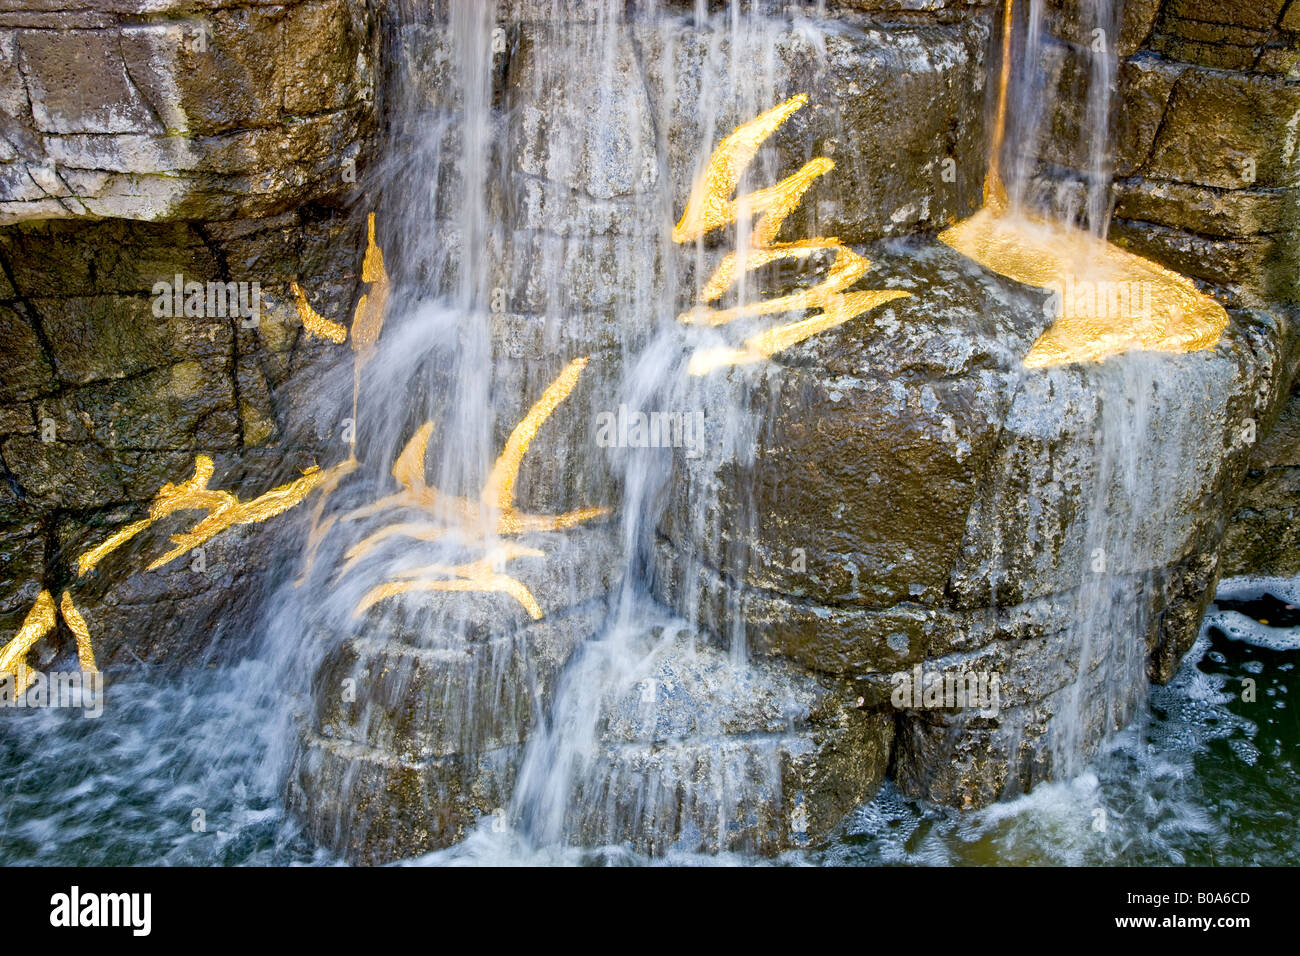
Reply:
x=134, y=109
x=916, y=497
x=891, y=494
x=1263, y=536
x=695, y=753
x=141, y=141
x=423, y=706
x=582, y=175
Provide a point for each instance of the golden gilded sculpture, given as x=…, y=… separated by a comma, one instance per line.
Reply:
x=40, y=620
x=480, y=575
x=1106, y=301
x=482, y=521
x=224, y=509
x=711, y=207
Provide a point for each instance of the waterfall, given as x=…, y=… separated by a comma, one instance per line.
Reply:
x=541, y=287
x=1132, y=447
x=620, y=760
x=683, y=385
x=1101, y=91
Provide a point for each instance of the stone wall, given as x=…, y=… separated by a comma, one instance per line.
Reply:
x=139, y=140
x=1206, y=166
x=935, y=490
x=158, y=110
x=1263, y=536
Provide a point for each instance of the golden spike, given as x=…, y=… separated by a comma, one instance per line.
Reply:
x=519, y=522
x=88, y=561
x=368, y=319
x=77, y=624
x=499, y=490
x=1094, y=283
x=317, y=529
x=764, y=345
x=223, y=508
x=363, y=548
x=995, y=192
x=1154, y=309
x=227, y=510
x=710, y=206
x=315, y=323
x=486, y=583
x=40, y=621
x=847, y=269
x=408, y=469
x=492, y=514
x=463, y=514
x=189, y=494
x=372, y=267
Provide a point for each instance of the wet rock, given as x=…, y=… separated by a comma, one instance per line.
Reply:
x=375, y=808
x=1237, y=213
x=1011, y=524
x=423, y=704
x=901, y=413
x=1245, y=146
x=915, y=92
x=1145, y=84
x=1182, y=595
x=1262, y=265
x=28, y=371
x=22, y=563
x=696, y=753
x=1263, y=536
x=913, y=497
x=965, y=760
x=829, y=639
x=1074, y=21
x=1244, y=13
x=200, y=113
x=599, y=140
x=115, y=401
x=202, y=606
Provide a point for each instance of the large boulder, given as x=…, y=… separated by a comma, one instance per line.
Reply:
x=916, y=496
x=694, y=751
x=423, y=703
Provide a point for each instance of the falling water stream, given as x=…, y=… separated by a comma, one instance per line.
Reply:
x=1184, y=776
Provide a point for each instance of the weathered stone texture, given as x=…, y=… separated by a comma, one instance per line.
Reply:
x=202, y=111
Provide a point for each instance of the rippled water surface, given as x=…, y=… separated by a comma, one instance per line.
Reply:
x=1207, y=778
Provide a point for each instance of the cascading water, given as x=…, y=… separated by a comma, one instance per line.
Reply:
x=1134, y=452
x=506, y=633
x=642, y=734
x=634, y=752
x=627, y=746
